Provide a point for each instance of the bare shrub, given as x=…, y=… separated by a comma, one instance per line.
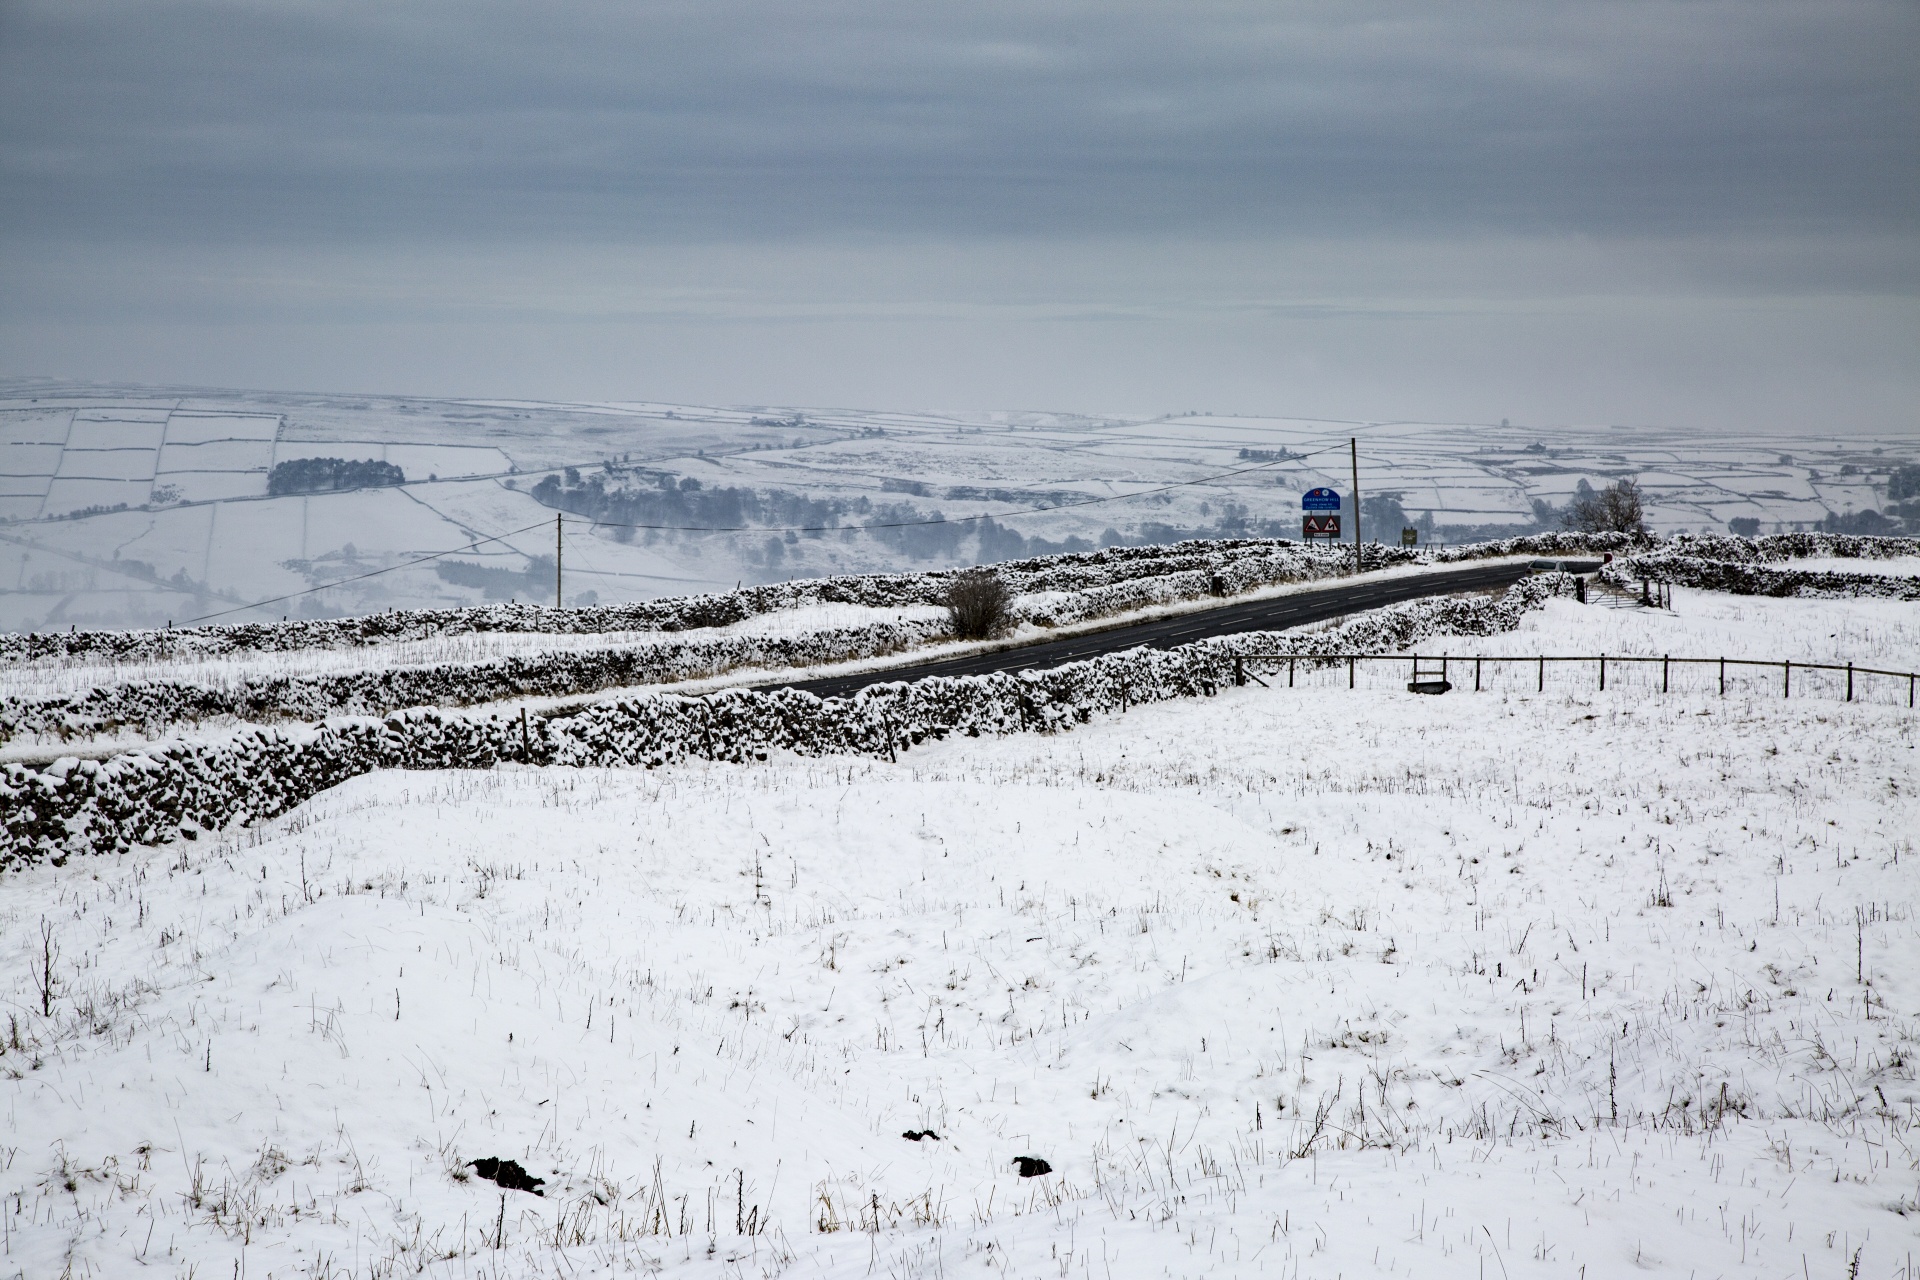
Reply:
x=978, y=603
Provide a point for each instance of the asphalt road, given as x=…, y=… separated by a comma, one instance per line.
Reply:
x=1274, y=614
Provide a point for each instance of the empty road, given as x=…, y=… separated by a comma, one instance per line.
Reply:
x=1274, y=614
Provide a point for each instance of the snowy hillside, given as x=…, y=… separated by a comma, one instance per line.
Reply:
x=1304, y=982
x=129, y=506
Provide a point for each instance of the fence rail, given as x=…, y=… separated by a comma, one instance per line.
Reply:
x=1431, y=672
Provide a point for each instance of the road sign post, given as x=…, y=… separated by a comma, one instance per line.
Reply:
x=1321, y=518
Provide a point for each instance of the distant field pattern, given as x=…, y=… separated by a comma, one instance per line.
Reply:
x=124, y=506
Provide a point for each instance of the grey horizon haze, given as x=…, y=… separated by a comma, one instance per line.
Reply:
x=1687, y=214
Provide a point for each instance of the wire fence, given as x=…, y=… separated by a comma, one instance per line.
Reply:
x=1440, y=673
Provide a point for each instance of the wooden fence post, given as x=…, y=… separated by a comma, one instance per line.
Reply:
x=1543, y=673
x=1289, y=671
x=1476, y=675
x=1849, y=682
x=1723, y=677
x=1239, y=670
x=1786, y=678
x=1350, y=666
x=1665, y=682
x=1603, y=673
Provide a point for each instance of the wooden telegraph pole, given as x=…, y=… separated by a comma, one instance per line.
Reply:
x=1353, y=445
x=559, y=549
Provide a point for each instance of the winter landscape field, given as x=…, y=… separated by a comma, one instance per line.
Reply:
x=1314, y=981
x=859, y=641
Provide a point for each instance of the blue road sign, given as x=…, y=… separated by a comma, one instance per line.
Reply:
x=1320, y=500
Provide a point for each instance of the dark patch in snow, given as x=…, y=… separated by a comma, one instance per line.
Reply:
x=508, y=1174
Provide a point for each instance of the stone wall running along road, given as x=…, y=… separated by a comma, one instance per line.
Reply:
x=1274, y=613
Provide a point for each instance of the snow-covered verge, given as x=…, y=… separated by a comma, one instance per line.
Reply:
x=86, y=806
x=1303, y=983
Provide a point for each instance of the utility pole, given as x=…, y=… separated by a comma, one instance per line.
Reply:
x=559, y=549
x=1353, y=445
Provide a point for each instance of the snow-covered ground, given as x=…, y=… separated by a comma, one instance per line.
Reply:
x=1901, y=566
x=1308, y=982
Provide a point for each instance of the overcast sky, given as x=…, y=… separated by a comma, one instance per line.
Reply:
x=1689, y=213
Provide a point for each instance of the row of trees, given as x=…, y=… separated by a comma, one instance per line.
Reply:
x=330, y=475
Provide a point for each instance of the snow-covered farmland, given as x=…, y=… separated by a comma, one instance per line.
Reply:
x=1308, y=982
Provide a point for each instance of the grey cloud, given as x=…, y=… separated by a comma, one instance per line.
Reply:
x=1673, y=211
x=594, y=121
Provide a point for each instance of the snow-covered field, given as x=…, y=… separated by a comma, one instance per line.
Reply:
x=1308, y=982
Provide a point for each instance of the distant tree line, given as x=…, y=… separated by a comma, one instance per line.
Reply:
x=330, y=475
x=667, y=505
x=1901, y=515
